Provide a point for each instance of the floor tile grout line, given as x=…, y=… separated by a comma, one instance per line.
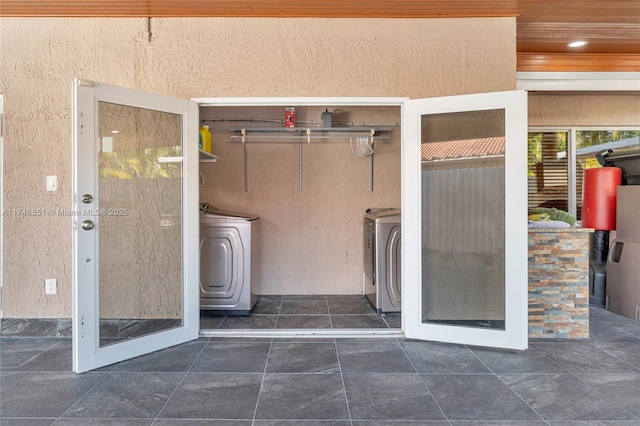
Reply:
x=601, y=393
x=33, y=357
x=275, y=325
x=344, y=386
x=329, y=313
x=222, y=322
x=264, y=374
x=107, y=374
x=597, y=349
x=27, y=374
x=403, y=349
x=502, y=381
x=618, y=358
x=181, y=381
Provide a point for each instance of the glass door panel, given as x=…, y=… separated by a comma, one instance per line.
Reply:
x=464, y=219
x=139, y=226
x=463, y=198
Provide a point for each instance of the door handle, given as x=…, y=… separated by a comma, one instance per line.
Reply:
x=87, y=225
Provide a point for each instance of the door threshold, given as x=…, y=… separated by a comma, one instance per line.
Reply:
x=306, y=333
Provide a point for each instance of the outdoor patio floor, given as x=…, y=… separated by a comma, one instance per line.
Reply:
x=332, y=381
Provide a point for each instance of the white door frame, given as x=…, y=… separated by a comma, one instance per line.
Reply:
x=515, y=335
x=354, y=102
x=1, y=196
x=87, y=352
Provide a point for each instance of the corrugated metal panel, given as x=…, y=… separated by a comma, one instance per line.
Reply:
x=463, y=244
x=463, y=209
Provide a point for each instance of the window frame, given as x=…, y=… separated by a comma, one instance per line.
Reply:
x=572, y=195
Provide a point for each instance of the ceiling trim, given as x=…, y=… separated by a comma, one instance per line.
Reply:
x=579, y=62
x=578, y=81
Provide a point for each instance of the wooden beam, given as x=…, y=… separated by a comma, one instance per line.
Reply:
x=260, y=8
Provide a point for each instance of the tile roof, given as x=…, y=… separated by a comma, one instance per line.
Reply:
x=467, y=148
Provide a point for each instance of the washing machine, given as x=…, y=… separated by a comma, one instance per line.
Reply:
x=381, y=277
x=225, y=261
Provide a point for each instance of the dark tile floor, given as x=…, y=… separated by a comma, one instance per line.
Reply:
x=306, y=311
x=332, y=382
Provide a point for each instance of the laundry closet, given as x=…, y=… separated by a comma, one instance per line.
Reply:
x=310, y=184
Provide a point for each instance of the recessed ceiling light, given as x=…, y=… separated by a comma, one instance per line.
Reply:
x=578, y=43
x=115, y=132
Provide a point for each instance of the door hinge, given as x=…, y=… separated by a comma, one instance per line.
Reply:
x=86, y=83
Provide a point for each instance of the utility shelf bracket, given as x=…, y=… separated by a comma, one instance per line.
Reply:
x=299, y=133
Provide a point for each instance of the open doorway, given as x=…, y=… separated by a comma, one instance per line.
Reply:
x=311, y=185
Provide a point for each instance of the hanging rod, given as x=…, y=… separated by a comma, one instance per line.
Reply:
x=298, y=130
x=296, y=138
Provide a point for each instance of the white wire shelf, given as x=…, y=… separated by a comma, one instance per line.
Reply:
x=350, y=129
x=308, y=133
x=207, y=157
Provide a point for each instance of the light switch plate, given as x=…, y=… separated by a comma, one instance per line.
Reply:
x=52, y=183
x=107, y=144
x=50, y=286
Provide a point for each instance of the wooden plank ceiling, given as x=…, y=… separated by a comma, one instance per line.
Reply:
x=544, y=27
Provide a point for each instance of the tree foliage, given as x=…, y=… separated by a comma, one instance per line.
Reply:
x=597, y=137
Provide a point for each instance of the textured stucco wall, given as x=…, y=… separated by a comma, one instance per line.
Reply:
x=549, y=109
x=197, y=58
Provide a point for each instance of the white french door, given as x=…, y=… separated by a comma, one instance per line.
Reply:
x=135, y=223
x=464, y=219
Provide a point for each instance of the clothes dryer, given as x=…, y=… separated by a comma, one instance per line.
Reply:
x=381, y=248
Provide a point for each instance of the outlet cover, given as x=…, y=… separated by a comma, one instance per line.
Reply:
x=50, y=286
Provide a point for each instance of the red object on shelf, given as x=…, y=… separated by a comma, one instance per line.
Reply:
x=599, y=187
x=290, y=117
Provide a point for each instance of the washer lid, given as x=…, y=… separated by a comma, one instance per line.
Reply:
x=377, y=213
x=213, y=212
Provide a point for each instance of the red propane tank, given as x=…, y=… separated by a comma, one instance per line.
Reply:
x=599, y=188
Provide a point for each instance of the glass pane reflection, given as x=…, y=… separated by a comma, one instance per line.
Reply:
x=463, y=224
x=139, y=223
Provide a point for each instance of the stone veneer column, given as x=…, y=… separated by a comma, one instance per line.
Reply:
x=559, y=283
